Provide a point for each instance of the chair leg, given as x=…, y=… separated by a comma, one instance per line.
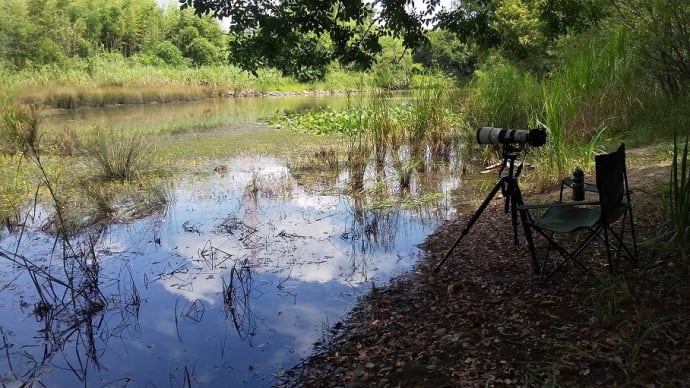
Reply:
x=622, y=249
x=632, y=233
x=567, y=256
x=612, y=268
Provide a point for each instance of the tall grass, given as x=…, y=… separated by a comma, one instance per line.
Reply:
x=110, y=79
x=678, y=198
x=592, y=92
x=502, y=95
x=583, y=105
x=18, y=129
x=430, y=122
x=16, y=187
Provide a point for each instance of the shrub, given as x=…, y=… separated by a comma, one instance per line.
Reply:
x=169, y=53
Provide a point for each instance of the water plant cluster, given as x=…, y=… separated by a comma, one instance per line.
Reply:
x=94, y=177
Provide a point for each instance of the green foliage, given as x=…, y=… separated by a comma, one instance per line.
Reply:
x=262, y=28
x=393, y=68
x=522, y=30
x=169, y=54
x=202, y=52
x=590, y=95
x=351, y=121
x=503, y=96
x=660, y=34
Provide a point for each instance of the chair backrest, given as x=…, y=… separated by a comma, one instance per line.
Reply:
x=611, y=183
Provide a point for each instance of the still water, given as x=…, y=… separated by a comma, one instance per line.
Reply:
x=230, y=285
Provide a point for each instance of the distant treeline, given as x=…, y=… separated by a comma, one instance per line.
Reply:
x=35, y=33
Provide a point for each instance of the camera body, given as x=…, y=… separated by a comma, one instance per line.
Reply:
x=491, y=135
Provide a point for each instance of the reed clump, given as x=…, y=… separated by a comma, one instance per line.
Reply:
x=677, y=198
x=118, y=155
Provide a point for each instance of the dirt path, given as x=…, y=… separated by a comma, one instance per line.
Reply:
x=484, y=321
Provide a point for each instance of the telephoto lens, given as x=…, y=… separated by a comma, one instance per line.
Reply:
x=491, y=135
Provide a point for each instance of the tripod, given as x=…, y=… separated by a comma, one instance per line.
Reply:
x=508, y=185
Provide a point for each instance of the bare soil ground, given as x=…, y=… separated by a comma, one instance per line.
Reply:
x=483, y=320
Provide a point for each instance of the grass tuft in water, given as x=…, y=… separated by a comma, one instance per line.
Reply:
x=119, y=156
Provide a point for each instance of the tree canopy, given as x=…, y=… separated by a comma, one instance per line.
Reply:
x=262, y=30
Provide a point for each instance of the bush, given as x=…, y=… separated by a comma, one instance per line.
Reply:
x=169, y=54
x=202, y=52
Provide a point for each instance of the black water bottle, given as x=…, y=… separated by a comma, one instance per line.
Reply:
x=578, y=184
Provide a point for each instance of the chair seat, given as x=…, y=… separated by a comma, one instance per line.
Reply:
x=566, y=219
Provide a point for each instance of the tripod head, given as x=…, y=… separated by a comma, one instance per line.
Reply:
x=510, y=153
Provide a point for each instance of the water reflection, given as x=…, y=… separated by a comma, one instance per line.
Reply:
x=234, y=282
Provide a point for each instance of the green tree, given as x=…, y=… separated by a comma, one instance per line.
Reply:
x=445, y=52
x=353, y=27
x=394, y=66
x=169, y=54
x=521, y=29
x=17, y=35
x=200, y=39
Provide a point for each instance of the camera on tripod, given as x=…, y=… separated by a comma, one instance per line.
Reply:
x=490, y=135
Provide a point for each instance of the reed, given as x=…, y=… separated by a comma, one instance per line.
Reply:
x=19, y=128
x=16, y=188
x=678, y=198
x=503, y=96
x=584, y=105
x=427, y=119
x=591, y=95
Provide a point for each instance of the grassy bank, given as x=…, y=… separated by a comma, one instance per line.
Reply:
x=114, y=80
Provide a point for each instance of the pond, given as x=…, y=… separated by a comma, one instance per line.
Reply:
x=232, y=283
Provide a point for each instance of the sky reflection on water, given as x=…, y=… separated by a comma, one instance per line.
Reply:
x=236, y=280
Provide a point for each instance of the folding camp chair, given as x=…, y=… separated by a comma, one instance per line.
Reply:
x=604, y=220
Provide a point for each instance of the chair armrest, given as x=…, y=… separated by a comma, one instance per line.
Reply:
x=568, y=181
x=557, y=204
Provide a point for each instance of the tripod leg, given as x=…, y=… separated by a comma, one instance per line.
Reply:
x=472, y=221
x=517, y=202
x=515, y=197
